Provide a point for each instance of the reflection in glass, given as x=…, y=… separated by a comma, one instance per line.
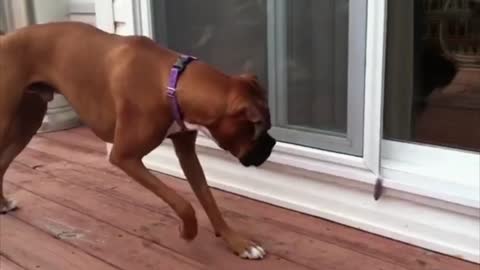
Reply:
x=432, y=90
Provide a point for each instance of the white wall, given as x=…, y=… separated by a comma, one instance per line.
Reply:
x=75, y=10
x=60, y=115
x=82, y=10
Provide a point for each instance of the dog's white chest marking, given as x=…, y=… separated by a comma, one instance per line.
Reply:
x=175, y=128
x=202, y=129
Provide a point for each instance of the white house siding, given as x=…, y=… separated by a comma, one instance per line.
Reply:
x=82, y=10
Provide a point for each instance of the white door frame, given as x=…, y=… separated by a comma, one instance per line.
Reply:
x=300, y=178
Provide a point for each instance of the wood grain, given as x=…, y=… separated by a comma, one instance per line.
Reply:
x=278, y=242
x=67, y=175
x=364, y=243
x=34, y=249
x=97, y=238
x=159, y=227
x=7, y=264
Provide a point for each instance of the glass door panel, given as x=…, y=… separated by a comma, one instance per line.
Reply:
x=432, y=97
x=308, y=54
x=432, y=93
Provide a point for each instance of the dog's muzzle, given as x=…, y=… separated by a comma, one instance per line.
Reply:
x=260, y=151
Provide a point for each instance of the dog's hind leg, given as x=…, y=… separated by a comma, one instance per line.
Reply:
x=10, y=99
x=28, y=119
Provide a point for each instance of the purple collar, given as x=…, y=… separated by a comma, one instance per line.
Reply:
x=175, y=73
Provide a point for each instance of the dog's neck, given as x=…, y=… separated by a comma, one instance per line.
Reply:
x=204, y=105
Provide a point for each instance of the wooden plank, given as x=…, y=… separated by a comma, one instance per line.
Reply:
x=82, y=139
x=86, y=132
x=376, y=246
x=309, y=252
x=67, y=152
x=37, y=250
x=95, y=237
x=154, y=228
x=369, y=244
x=7, y=264
x=45, y=151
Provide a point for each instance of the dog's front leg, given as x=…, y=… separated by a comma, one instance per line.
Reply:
x=130, y=146
x=184, y=144
x=137, y=170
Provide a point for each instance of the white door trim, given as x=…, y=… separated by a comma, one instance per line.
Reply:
x=442, y=173
x=374, y=81
x=351, y=141
x=104, y=15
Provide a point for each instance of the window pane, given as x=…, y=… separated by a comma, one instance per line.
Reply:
x=298, y=48
x=432, y=90
x=229, y=34
x=317, y=61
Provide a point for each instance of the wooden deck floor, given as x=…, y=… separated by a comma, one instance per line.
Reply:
x=78, y=212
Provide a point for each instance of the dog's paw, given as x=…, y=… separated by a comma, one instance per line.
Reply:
x=243, y=247
x=188, y=221
x=7, y=206
x=253, y=252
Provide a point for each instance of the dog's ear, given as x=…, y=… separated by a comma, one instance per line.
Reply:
x=246, y=102
x=246, y=110
x=254, y=116
x=253, y=84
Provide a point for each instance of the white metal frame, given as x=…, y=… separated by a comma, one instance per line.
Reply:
x=442, y=173
x=299, y=177
x=352, y=141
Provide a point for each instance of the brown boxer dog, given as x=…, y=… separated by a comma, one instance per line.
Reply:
x=117, y=85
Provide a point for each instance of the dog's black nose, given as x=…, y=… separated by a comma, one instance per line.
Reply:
x=260, y=152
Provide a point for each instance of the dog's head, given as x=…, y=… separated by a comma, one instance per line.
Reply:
x=243, y=129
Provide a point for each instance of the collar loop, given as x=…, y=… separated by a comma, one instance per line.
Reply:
x=175, y=73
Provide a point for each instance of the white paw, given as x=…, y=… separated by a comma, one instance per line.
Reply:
x=10, y=206
x=253, y=253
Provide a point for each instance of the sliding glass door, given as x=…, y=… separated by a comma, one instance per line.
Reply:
x=432, y=95
x=309, y=54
